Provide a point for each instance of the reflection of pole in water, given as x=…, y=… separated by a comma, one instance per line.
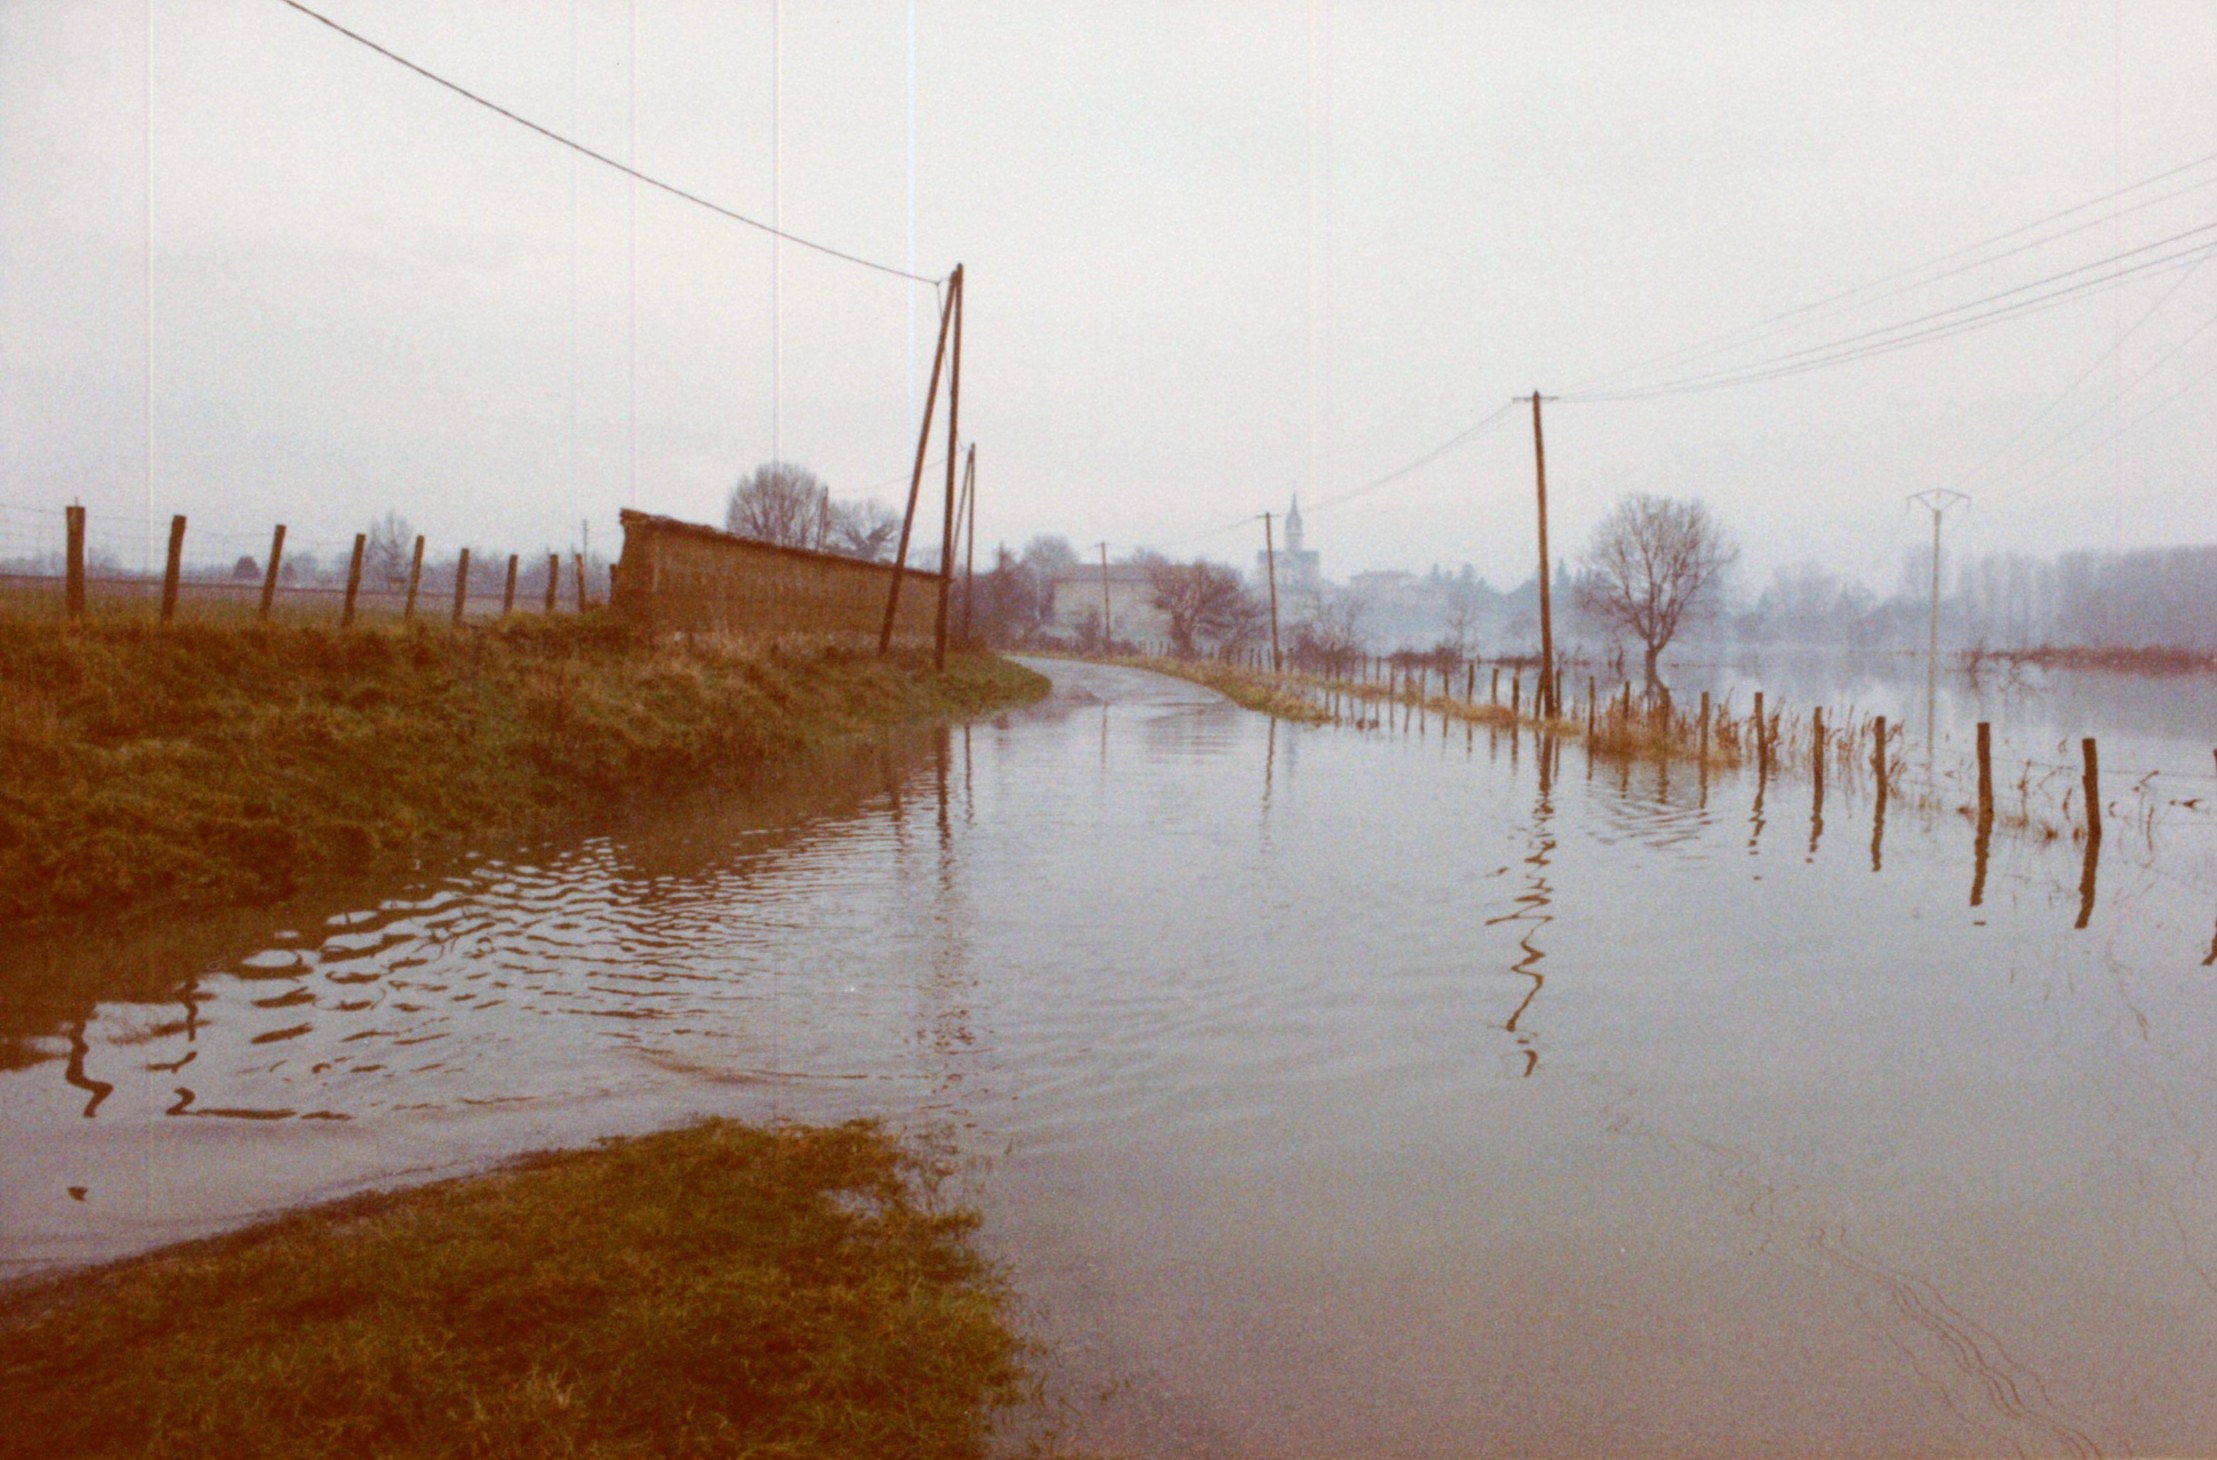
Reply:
x=969, y=799
x=1878, y=816
x=1269, y=759
x=1984, y=836
x=74, y=1071
x=1755, y=821
x=942, y=745
x=1531, y=909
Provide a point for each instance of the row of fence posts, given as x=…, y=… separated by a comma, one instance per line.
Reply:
x=172, y=573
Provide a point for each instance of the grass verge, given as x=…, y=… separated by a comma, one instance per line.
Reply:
x=722, y=1290
x=225, y=765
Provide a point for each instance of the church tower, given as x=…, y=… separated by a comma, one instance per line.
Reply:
x=1293, y=525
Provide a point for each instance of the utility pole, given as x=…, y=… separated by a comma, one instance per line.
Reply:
x=1108, y=636
x=970, y=524
x=916, y=477
x=1937, y=502
x=1270, y=567
x=947, y=516
x=1544, y=700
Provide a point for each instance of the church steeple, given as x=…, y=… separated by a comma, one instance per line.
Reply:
x=1293, y=525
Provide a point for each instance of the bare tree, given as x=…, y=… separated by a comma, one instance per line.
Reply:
x=390, y=547
x=1328, y=638
x=1202, y=600
x=778, y=502
x=1651, y=561
x=865, y=529
x=1462, y=620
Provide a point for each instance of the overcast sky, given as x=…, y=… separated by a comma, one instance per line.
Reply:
x=1217, y=254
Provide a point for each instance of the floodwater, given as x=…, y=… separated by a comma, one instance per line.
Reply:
x=1409, y=1091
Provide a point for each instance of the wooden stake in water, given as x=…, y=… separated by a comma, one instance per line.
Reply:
x=1982, y=836
x=1705, y=727
x=2093, y=789
x=1516, y=695
x=1762, y=747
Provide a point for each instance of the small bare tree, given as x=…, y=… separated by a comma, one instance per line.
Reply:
x=387, y=552
x=1203, y=600
x=1650, y=563
x=778, y=502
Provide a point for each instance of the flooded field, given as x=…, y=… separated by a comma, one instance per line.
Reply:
x=1410, y=1091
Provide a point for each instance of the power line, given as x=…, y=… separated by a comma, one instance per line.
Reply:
x=1892, y=337
x=601, y=157
x=2085, y=375
x=2121, y=430
x=1718, y=341
x=1425, y=460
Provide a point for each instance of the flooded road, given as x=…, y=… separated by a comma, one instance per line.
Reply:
x=1404, y=1092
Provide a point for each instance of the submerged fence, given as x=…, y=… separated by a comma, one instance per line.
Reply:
x=72, y=574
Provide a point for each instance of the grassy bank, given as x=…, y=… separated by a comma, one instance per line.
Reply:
x=722, y=1290
x=221, y=765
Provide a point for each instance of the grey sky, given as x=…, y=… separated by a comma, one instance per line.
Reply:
x=1217, y=252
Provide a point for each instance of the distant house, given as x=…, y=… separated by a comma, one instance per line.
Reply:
x=1129, y=602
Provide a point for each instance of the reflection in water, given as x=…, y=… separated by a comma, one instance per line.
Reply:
x=74, y=1072
x=2086, y=874
x=1755, y=818
x=1215, y=1094
x=1532, y=904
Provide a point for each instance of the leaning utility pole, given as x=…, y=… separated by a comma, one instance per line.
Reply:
x=916, y=477
x=947, y=517
x=1270, y=567
x=1937, y=502
x=970, y=521
x=1544, y=700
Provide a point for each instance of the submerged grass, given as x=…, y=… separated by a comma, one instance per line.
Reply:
x=217, y=764
x=723, y=1290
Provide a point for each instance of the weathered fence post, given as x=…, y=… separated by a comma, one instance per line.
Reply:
x=1470, y=683
x=580, y=559
x=353, y=580
x=554, y=578
x=415, y=579
x=1705, y=727
x=1880, y=764
x=1493, y=695
x=508, y=595
x=1816, y=737
x=1516, y=694
x=174, y=569
x=73, y=585
x=1593, y=704
x=461, y=585
x=1762, y=746
x=269, y=578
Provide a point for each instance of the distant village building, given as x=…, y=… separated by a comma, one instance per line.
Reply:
x=1299, y=571
x=1130, y=606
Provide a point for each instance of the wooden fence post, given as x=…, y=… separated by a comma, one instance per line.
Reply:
x=1516, y=694
x=353, y=580
x=508, y=596
x=269, y=578
x=1880, y=763
x=1493, y=695
x=1705, y=727
x=461, y=585
x=1816, y=737
x=580, y=559
x=1470, y=683
x=73, y=586
x=554, y=578
x=174, y=569
x=1985, y=771
x=415, y=579
x=1762, y=747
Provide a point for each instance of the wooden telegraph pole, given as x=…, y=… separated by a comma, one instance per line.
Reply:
x=916, y=476
x=970, y=531
x=1543, y=697
x=1270, y=567
x=947, y=516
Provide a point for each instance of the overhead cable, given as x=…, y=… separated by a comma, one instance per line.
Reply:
x=1718, y=343
x=603, y=158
